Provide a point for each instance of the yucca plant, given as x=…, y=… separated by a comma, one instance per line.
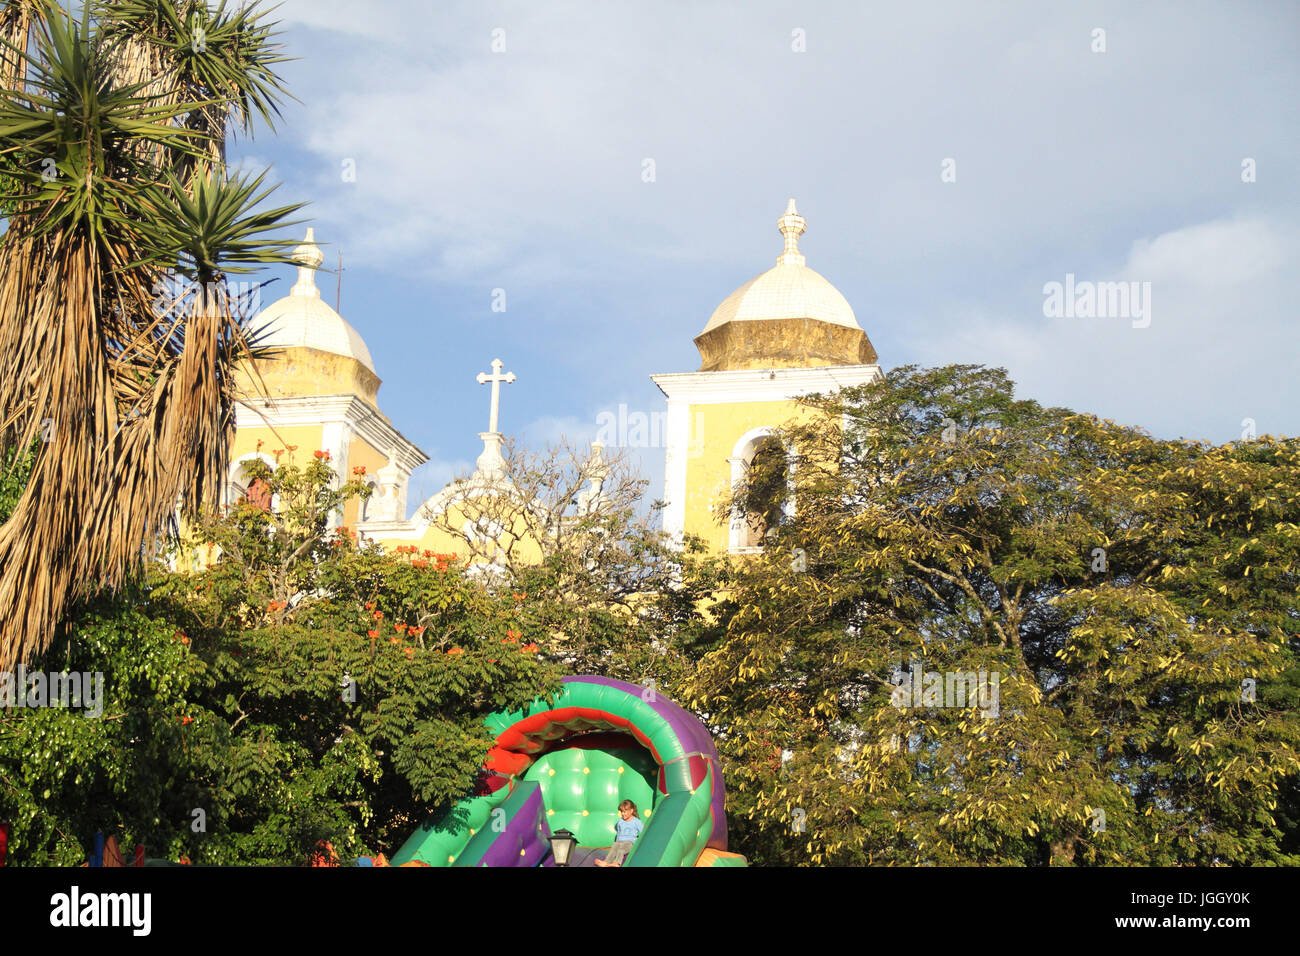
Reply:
x=128, y=405
x=187, y=50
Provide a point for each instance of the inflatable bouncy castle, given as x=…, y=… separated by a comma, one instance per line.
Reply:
x=566, y=765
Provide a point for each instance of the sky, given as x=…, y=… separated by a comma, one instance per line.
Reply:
x=575, y=187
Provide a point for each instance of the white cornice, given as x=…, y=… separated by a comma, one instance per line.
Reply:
x=761, y=384
x=361, y=417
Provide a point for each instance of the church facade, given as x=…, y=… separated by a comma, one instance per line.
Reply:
x=785, y=334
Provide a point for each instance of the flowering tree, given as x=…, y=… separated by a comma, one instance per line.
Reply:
x=299, y=689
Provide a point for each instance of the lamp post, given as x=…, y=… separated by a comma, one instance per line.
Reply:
x=562, y=844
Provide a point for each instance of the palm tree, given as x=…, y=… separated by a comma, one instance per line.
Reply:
x=113, y=134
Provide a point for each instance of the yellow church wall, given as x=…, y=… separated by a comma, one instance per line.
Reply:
x=304, y=438
x=715, y=429
x=308, y=438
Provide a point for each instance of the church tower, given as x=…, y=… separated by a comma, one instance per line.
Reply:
x=318, y=391
x=784, y=334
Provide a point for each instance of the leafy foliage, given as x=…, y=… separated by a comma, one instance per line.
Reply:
x=1136, y=598
x=298, y=689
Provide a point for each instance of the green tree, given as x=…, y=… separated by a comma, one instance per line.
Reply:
x=1136, y=598
x=297, y=689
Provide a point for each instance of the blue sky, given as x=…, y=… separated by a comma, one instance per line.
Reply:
x=522, y=169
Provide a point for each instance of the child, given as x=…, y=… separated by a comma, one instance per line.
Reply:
x=626, y=830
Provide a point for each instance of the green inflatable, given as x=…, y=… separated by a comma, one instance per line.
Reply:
x=567, y=765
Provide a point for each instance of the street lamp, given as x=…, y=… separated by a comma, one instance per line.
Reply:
x=562, y=844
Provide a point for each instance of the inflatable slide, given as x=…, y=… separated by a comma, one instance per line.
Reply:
x=567, y=765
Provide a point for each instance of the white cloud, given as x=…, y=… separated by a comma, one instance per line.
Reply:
x=1222, y=295
x=523, y=170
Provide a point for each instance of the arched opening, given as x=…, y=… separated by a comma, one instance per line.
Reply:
x=243, y=488
x=768, y=477
x=568, y=763
x=761, y=470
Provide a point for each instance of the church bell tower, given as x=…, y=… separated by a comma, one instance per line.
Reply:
x=782, y=335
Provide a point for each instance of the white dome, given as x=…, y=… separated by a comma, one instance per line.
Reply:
x=786, y=291
x=789, y=290
x=303, y=320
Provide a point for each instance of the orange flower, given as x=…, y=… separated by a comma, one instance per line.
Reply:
x=518, y=596
x=415, y=631
x=530, y=648
x=394, y=640
x=456, y=650
x=510, y=633
x=378, y=615
x=399, y=628
x=509, y=640
x=409, y=651
x=370, y=605
x=186, y=721
x=372, y=634
x=321, y=455
x=184, y=639
x=359, y=470
x=419, y=563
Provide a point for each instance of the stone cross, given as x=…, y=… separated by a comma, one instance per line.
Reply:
x=496, y=378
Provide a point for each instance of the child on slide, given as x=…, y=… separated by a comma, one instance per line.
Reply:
x=626, y=830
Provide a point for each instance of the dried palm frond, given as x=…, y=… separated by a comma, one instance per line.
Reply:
x=17, y=20
x=130, y=406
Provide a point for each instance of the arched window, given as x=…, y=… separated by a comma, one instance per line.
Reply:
x=242, y=487
x=760, y=456
x=767, y=482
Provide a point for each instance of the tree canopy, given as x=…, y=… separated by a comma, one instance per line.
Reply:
x=1134, y=599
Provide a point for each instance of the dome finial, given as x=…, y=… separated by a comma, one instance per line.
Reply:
x=792, y=226
x=309, y=259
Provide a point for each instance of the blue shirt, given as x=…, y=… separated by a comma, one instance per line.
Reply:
x=627, y=830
